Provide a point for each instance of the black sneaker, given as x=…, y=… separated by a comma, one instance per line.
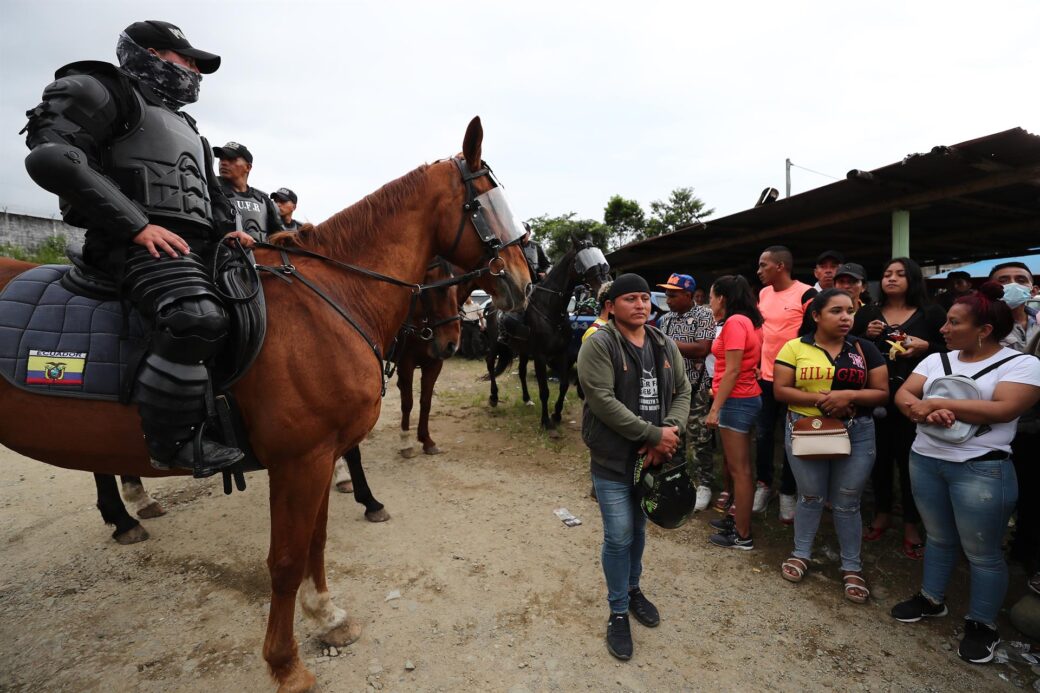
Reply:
x=619, y=636
x=732, y=540
x=725, y=525
x=978, y=642
x=642, y=608
x=917, y=607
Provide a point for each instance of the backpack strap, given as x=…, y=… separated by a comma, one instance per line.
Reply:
x=994, y=366
x=945, y=357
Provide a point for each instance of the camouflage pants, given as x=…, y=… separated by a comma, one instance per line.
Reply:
x=699, y=453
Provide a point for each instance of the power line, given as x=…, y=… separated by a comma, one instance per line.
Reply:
x=819, y=173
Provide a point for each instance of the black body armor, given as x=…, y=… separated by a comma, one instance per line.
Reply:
x=257, y=213
x=161, y=165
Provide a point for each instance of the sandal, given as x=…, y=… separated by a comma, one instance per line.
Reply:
x=1034, y=583
x=856, y=589
x=794, y=569
x=723, y=502
x=913, y=551
x=873, y=533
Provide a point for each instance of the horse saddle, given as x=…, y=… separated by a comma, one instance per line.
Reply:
x=65, y=332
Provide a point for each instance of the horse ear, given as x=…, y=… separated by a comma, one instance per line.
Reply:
x=471, y=143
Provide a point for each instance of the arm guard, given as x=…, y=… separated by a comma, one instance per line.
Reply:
x=66, y=134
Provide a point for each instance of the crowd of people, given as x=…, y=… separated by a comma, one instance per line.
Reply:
x=940, y=393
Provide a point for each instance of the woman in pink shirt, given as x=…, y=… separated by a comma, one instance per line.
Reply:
x=738, y=400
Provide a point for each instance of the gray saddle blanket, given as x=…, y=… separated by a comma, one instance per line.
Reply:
x=55, y=342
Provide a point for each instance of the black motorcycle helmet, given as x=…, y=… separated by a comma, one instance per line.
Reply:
x=666, y=493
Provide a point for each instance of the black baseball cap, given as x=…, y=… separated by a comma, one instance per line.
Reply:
x=831, y=255
x=232, y=150
x=165, y=36
x=285, y=194
x=958, y=274
x=852, y=269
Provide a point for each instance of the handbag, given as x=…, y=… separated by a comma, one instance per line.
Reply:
x=820, y=438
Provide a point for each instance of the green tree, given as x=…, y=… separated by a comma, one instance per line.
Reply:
x=625, y=218
x=555, y=233
x=681, y=209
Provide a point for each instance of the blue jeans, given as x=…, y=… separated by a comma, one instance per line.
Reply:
x=840, y=481
x=965, y=505
x=624, y=536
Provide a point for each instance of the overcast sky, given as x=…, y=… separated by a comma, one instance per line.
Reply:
x=579, y=101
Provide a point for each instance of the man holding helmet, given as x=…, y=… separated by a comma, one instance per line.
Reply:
x=637, y=399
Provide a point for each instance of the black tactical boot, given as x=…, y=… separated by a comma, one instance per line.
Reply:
x=171, y=398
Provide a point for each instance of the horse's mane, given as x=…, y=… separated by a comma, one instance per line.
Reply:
x=346, y=230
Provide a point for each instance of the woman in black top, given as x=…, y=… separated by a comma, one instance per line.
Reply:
x=903, y=316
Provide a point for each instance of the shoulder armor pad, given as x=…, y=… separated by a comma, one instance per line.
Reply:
x=86, y=91
x=88, y=67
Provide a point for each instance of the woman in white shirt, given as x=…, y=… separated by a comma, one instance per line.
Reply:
x=966, y=491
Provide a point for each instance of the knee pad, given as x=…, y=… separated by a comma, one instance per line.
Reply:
x=191, y=329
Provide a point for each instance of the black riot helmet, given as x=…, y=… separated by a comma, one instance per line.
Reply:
x=666, y=493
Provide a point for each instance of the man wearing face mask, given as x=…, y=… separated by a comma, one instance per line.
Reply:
x=1018, y=284
x=133, y=170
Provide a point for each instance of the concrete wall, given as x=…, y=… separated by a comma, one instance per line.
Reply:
x=28, y=232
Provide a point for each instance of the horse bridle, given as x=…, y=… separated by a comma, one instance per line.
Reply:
x=471, y=209
x=428, y=328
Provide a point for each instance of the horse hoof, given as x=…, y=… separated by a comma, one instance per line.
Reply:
x=343, y=635
x=408, y=453
x=345, y=487
x=380, y=515
x=151, y=511
x=555, y=434
x=298, y=680
x=432, y=450
x=492, y=402
x=528, y=403
x=132, y=535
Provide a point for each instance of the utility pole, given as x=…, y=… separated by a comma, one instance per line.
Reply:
x=788, y=162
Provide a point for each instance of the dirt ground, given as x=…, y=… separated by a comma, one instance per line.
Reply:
x=495, y=593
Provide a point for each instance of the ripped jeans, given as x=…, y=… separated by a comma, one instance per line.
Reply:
x=839, y=481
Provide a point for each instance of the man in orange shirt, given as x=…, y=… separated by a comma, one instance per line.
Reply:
x=782, y=304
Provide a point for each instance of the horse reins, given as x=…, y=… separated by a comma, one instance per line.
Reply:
x=470, y=211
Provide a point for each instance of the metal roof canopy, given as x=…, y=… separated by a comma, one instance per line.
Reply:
x=974, y=200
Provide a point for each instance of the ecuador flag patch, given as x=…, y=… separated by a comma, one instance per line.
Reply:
x=64, y=368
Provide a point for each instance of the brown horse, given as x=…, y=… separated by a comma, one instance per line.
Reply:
x=430, y=336
x=314, y=391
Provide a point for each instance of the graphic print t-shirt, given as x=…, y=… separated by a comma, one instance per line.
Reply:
x=649, y=397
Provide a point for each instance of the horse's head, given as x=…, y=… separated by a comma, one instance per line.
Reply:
x=484, y=232
x=590, y=265
x=435, y=317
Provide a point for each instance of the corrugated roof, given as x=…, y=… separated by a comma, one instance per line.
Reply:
x=969, y=201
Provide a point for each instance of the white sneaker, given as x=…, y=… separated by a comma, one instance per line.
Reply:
x=788, y=502
x=763, y=494
x=703, y=498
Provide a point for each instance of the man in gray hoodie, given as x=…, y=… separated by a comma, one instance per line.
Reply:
x=637, y=398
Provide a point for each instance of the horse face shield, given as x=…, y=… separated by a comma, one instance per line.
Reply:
x=494, y=220
x=588, y=259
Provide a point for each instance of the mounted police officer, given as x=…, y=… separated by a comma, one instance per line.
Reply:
x=257, y=214
x=133, y=170
x=536, y=258
x=285, y=199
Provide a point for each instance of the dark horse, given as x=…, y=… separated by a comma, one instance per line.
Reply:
x=545, y=334
x=452, y=208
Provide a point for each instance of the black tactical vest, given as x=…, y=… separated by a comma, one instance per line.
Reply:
x=160, y=164
x=253, y=212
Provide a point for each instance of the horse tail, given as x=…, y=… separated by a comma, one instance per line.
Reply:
x=503, y=356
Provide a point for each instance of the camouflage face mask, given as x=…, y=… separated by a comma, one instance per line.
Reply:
x=177, y=86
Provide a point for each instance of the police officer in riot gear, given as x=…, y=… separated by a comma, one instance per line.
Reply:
x=537, y=260
x=133, y=170
x=258, y=214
